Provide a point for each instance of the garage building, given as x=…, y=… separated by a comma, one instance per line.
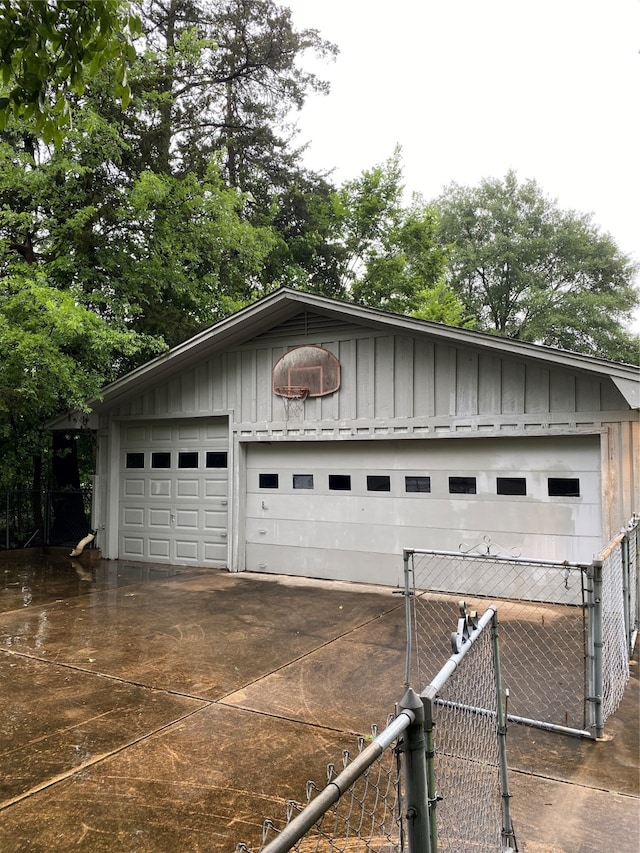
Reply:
x=308, y=436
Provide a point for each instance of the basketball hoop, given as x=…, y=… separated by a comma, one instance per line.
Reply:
x=293, y=397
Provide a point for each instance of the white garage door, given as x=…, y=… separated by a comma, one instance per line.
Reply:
x=347, y=509
x=173, y=492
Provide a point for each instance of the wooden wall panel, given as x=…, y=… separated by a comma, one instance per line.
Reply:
x=424, y=383
x=466, y=383
x=383, y=377
x=513, y=375
x=347, y=396
x=403, y=378
x=536, y=395
x=387, y=378
x=562, y=392
x=620, y=475
x=587, y=394
x=188, y=392
x=489, y=384
x=445, y=380
x=364, y=378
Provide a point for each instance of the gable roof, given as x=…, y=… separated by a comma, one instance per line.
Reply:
x=285, y=303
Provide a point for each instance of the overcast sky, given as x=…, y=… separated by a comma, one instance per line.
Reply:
x=472, y=88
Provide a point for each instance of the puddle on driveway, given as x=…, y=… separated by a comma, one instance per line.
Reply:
x=37, y=578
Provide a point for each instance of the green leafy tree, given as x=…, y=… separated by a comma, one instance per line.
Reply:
x=153, y=217
x=526, y=269
x=51, y=48
x=219, y=78
x=307, y=253
x=54, y=355
x=192, y=257
x=151, y=253
x=392, y=259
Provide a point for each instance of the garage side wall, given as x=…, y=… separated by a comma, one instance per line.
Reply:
x=621, y=474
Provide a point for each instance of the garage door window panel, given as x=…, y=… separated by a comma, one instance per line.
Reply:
x=417, y=484
x=268, y=481
x=161, y=459
x=511, y=485
x=216, y=459
x=378, y=483
x=188, y=459
x=563, y=487
x=303, y=481
x=134, y=460
x=340, y=482
x=462, y=486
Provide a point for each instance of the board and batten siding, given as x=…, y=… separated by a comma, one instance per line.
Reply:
x=388, y=378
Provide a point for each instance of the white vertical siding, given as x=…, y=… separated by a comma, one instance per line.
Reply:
x=384, y=377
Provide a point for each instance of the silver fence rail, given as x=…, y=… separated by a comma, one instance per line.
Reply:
x=434, y=780
x=567, y=629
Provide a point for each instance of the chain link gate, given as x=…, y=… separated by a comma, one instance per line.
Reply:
x=544, y=646
x=568, y=629
x=433, y=781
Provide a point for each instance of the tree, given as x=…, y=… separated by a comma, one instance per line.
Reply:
x=391, y=257
x=148, y=220
x=219, y=78
x=54, y=355
x=526, y=269
x=50, y=49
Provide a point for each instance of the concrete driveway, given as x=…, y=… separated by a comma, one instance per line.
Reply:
x=154, y=708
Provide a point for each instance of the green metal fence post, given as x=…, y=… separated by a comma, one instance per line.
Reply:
x=597, y=647
x=417, y=808
x=508, y=833
x=428, y=697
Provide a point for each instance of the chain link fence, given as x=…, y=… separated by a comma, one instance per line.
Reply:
x=567, y=629
x=367, y=813
x=33, y=518
x=616, y=569
x=434, y=780
x=543, y=626
x=633, y=595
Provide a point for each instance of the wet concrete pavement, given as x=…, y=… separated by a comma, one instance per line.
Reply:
x=151, y=708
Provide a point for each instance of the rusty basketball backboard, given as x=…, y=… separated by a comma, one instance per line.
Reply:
x=309, y=367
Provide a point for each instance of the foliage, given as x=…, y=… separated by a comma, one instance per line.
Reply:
x=526, y=269
x=219, y=79
x=54, y=355
x=393, y=260
x=51, y=48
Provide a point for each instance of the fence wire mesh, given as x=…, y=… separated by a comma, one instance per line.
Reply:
x=542, y=626
x=468, y=808
x=366, y=817
x=615, y=647
x=634, y=567
x=464, y=782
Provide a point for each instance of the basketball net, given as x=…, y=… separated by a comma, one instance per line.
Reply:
x=293, y=397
